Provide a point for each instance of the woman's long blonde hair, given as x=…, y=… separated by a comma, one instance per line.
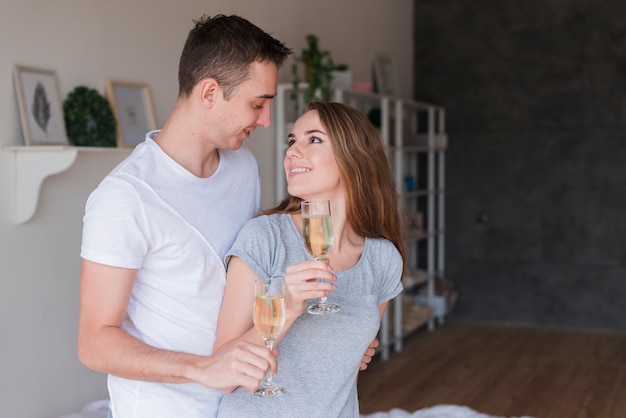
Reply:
x=372, y=200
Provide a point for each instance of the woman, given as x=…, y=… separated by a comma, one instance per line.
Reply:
x=333, y=153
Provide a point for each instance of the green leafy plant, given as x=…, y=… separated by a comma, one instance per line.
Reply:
x=89, y=120
x=318, y=66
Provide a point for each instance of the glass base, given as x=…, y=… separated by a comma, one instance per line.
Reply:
x=269, y=391
x=323, y=308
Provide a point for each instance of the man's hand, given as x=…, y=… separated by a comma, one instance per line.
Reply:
x=369, y=353
x=238, y=364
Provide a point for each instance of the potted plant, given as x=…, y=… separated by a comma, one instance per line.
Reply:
x=341, y=77
x=89, y=120
x=318, y=66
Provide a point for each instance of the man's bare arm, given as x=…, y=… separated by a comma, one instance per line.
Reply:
x=104, y=347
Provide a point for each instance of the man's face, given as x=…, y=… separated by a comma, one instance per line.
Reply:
x=248, y=107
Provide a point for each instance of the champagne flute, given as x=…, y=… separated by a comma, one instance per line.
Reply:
x=269, y=320
x=317, y=233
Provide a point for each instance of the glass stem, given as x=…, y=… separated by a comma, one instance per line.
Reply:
x=267, y=381
x=322, y=298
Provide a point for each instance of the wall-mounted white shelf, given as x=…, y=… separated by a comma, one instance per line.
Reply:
x=31, y=165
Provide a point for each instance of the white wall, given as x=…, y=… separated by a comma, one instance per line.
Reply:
x=86, y=42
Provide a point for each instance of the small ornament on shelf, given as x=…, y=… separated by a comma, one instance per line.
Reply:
x=414, y=224
x=89, y=120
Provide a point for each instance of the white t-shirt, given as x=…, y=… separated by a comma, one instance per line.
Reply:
x=153, y=215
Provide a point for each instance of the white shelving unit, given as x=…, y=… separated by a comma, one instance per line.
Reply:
x=415, y=139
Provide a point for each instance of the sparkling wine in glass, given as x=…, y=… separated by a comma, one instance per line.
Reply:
x=269, y=320
x=317, y=233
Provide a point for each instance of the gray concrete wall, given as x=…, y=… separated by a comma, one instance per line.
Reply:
x=536, y=98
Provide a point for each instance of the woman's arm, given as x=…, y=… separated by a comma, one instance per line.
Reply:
x=235, y=321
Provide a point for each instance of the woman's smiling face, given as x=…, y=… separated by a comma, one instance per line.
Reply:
x=310, y=165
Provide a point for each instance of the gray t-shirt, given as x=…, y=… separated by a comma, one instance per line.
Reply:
x=320, y=355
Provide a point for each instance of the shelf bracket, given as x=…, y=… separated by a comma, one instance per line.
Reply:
x=31, y=166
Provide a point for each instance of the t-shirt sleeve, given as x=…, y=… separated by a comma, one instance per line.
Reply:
x=255, y=245
x=391, y=285
x=114, y=226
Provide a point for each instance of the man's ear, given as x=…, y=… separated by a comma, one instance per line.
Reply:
x=208, y=91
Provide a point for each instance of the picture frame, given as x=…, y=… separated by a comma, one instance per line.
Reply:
x=132, y=106
x=385, y=77
x=40, y=106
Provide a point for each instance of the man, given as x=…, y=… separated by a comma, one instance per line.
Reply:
x=158, y=226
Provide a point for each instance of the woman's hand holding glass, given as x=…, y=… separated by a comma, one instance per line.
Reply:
x=302, y=284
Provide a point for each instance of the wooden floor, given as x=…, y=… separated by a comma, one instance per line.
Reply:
x=502, y=370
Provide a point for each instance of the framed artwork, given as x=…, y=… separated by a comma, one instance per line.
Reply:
x=385, y=78
x=132, y=106
x=39, y=101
